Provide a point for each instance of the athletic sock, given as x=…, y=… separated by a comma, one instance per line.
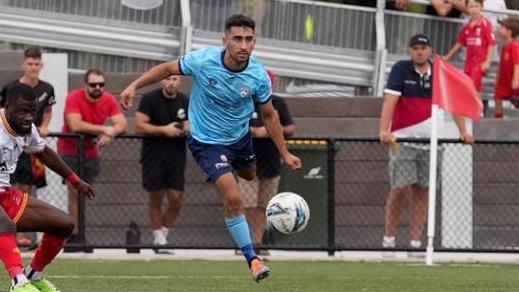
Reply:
x=49, y=248
x=19, y=281
x=32, y=274
x=239, y=230
x=10, y=255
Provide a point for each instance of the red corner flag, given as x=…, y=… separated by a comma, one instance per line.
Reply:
x=454, y=91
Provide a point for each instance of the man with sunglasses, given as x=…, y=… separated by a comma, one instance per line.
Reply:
x=86, y=110
x=406, y=113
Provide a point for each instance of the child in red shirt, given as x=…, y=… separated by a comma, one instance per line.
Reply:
x=478, y=36
x=507, y=85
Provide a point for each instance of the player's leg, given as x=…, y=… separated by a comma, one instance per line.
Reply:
x=170, y=216
x=56, y=225
x=418, y=214
x=215, y=161
x=174, y=194
x=23, y=179
x=155, y=215
x=402, y=173
x=249, y=190
x=9, y=253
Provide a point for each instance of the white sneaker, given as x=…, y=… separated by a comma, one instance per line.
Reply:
x=159, y=238
x=389, y=242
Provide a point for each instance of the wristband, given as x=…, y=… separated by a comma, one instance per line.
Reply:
x=73, y=179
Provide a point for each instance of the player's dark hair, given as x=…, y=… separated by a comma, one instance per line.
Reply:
x=240, y=21
x=32, y=52
x=19, y=91
x=93, y=72
x=478, y=1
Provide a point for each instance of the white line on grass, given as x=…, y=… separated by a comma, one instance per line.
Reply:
x=129, y=277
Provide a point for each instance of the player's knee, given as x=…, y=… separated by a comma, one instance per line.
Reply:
x=67, y=226
x=175, y=205
x=234, y=205
x=7, y=225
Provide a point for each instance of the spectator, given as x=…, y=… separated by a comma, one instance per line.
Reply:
x=406, y=112
x=163, y=113
x=507, y=84
x=86, y=110
x=264, y=186
x=478, y=36
x=462, y=5
x=29, y=171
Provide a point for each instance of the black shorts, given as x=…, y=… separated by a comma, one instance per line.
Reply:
x=91, y=167
x=24, y=175
x=161, y=174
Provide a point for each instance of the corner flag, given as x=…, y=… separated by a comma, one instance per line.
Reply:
x=454, y=91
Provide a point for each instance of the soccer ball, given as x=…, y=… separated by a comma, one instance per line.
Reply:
x=287, y=213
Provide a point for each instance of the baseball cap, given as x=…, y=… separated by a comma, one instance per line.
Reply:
x=512, y=23
x=419, y=39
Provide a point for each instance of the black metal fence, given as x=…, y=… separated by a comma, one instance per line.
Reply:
x=346, y=183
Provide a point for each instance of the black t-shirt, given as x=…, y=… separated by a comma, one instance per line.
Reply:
x=44, y=92
x=268, y=160
x=162, y=111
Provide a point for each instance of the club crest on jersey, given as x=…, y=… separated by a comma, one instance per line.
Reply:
x=212, y=82
x=245, y=91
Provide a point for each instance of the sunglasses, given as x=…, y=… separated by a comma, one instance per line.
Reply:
x=96, y=84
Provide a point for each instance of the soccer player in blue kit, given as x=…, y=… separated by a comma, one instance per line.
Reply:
x=226, y=80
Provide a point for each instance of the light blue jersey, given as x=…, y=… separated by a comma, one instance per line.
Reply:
x=221, y=102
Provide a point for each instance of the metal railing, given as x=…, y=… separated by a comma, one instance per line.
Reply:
x=346, y=183
x=299, y=39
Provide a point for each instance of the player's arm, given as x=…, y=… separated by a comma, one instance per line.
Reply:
x=55, y=163
x=515, y=78
x=275, y=130
x=453, y=51
x=143, y=126
x=120, y=124
x=155, y=74
x=76, y=124
x=47, y=116
x=490, y=54
x=442, y=7
x=388, y=109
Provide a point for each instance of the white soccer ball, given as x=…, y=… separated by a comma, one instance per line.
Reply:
x=287, y=213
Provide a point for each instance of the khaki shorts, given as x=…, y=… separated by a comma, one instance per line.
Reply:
x=409, y=166
x=258, y=192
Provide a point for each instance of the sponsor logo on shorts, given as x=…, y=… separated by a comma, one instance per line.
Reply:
x=314, y=173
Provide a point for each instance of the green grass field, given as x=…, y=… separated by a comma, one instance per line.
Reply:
x=142, y=276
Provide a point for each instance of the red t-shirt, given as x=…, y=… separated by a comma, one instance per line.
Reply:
x=509, y=58
x=477, y=38
x=92, y=112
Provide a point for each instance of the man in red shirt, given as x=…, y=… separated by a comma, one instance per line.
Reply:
x=507, y=85
x=86, y=110
x=478, y=36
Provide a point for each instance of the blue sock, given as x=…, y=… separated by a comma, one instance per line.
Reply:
x=240, y=233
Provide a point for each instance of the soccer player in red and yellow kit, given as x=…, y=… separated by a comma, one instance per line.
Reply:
x=478, y=37
x=507, y=84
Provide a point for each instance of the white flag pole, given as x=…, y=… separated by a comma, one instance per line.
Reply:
x=431, y=218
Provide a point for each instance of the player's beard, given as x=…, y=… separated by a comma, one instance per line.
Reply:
x=16, y=126
x=95, y=94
